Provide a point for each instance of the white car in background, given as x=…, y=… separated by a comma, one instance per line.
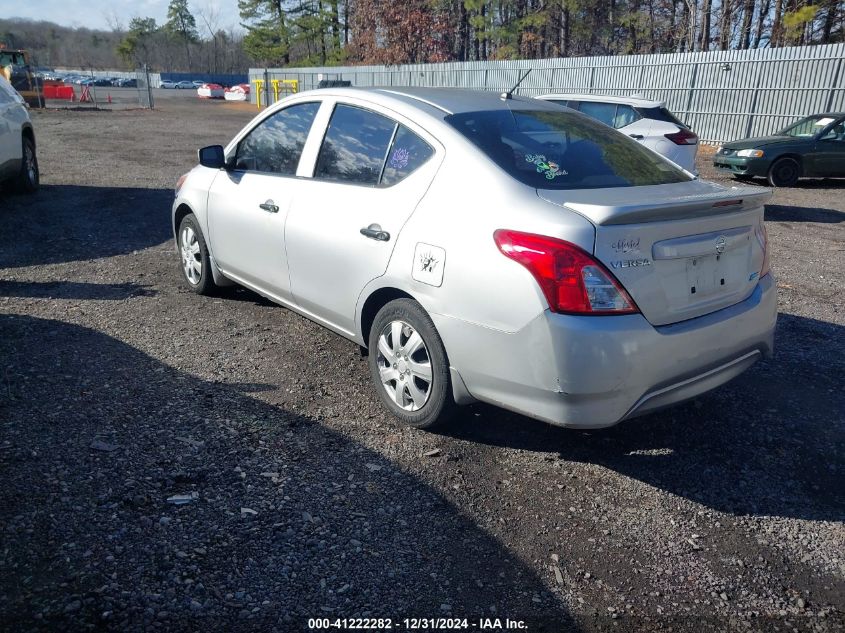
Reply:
x=18, y=162
x=649, y=122
x=211, y=91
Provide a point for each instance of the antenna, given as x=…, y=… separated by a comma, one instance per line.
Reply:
x=509, y=93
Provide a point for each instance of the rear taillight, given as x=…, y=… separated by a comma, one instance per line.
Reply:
x=570, y=278
x=683, y=137
x=763, y=238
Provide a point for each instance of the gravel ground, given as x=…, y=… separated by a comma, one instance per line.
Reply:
x=120, y=390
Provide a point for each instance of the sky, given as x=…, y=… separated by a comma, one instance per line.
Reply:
x=96, y=14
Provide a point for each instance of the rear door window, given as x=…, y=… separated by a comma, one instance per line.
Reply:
x=604, y=112
x=562, y=102
x=274, y=146
x=355, y=147
x=563, y=150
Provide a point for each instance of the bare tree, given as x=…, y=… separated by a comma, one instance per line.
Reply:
x=705, y=25
x=210, y=17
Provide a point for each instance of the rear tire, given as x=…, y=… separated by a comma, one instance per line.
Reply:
x=194, y=262
x=29, y=178
x=409, y=367
x=784, y=172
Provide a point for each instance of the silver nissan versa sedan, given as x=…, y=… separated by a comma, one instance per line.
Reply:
x=486, y=247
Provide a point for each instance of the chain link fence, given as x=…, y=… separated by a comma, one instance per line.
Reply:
x=102, y=90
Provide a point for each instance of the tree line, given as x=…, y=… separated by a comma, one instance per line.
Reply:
x=305, y=32
x=331, y=32
x=189, y=41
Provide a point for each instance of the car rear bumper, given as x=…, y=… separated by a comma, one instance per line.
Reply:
x=742, y=166
x=593, y=372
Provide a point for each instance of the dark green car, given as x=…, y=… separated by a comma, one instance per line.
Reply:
x=814, y=147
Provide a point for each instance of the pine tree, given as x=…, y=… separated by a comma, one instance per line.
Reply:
x=134, y=48
x=268, y=36
x=182, y=25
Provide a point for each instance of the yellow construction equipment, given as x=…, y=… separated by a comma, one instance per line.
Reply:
x=14, y=65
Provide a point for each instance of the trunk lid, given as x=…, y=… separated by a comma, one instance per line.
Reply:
x=680, y=250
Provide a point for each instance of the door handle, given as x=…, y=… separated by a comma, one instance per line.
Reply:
x=374, y=232
x=637, y=137
x=269, y=206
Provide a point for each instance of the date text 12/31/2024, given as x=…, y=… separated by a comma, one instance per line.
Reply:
x=417, y=624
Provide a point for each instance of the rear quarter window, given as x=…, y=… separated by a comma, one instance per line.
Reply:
x=407, y=154
x=625, y=115
x=661, y=114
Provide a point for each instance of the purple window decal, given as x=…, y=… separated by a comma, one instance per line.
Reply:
x=399, y=158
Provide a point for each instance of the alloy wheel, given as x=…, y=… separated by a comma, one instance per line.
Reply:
x=191, y=255
x=30, y=164
x=404, y=365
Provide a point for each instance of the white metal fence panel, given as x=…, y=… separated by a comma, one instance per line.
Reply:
x=721, y=95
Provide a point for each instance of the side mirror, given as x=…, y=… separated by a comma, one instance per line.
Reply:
x=212, y=157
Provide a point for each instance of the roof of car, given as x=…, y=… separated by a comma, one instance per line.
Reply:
x=446, y=100
x=640, y=102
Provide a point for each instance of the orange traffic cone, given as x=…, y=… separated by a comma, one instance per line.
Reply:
x=109, y=95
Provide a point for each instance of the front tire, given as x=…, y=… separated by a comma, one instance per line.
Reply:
x=195, y=264
x=409, y=367
x=784, y=172
x=28, y=179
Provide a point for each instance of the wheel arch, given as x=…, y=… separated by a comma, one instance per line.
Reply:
x=28, y=133
x=380, y=297
x=796, y=157
x=375, y=302
x=179, y=214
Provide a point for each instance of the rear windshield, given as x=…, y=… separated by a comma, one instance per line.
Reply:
x=563, y=150
x=661, y=114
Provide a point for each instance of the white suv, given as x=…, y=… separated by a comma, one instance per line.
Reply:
x=18, y=162
x=647, y=121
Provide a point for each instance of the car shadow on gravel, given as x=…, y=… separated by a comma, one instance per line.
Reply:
x=64, y=223
x=771, y=442
x=782, y=213
x=73, y=290
x=820, y=183
x=289, y=519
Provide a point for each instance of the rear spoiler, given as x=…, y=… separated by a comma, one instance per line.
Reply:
x=711, y=203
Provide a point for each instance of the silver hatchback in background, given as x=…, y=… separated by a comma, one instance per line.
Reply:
x=644, y=120
x=486, y=247
x=18, y=161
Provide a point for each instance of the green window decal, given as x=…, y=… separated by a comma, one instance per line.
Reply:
x=547, y=167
